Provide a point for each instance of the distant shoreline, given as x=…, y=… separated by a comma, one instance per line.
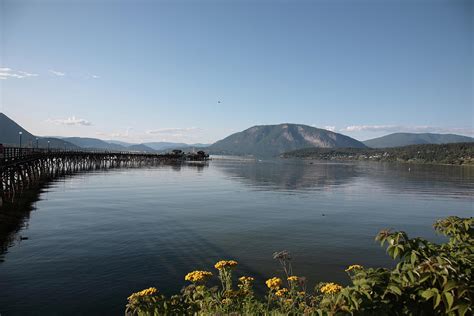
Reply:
x=457, y=154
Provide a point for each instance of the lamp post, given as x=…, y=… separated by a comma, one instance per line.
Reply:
x=37, y=144
x=20, y=133
x=48, y=145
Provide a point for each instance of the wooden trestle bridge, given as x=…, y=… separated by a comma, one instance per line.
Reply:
x=23, y=168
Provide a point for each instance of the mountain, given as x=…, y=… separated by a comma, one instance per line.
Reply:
x=118, y=142
x=162, y=146
x=272, y=140
x=404, y=139
x=165, y=145
x=199, y=145
x=94, y=143
x=140, y=147
x=9, y=135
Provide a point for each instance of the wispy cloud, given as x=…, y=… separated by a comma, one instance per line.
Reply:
x=330, y=128
x=95, y=76
x=71, y=121
x=57, y=73
x=121, y=135
x=371, y=128
x=408, y=129
x=6, y=73
x=174, y=131
x=188, y=135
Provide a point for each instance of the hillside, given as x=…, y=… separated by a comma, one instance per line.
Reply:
x=140, y=147
x=454, y=154
x=404, y=139
x=9, y=135
x=272, y=140
x=165, y=145
x=94, y=143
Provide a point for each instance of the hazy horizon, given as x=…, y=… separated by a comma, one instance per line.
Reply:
x=200, y=143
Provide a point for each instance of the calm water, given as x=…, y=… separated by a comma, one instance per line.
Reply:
x=94, y=238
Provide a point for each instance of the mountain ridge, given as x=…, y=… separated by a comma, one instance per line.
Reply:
x=272, y=140
x=405, y=139
x=9, y=135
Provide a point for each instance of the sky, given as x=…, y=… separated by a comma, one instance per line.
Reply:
x=197, y=71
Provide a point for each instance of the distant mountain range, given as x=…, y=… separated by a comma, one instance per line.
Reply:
x=10, y=135
x=160, y=146
x=272, y=140
x=405, y=139
x=94, y=143
x=166, y=145
x=260, y=141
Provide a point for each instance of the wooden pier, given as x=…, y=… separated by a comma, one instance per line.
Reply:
x=23, y=168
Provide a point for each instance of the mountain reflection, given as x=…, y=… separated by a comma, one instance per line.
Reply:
x=295, y=175
x=419, y=179
x=288, y=175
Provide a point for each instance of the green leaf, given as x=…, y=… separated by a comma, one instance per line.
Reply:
x=449, y=299
x=395, y=289
x=427, y=294
x=437, y=300
x=449, y=285
x=395, y=252
x=463, y=309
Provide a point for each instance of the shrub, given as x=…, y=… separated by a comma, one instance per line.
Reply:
x=428, y=279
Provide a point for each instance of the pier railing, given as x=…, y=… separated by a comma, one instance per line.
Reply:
x=12, y=155
x=24, y=167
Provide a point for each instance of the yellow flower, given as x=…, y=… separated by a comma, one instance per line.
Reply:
x=330, y=288
x=302, y=293
x=293, y=278
x=146, y=292
x=273, y=283
x=227, y=301
x=225, y=264
x=197, y=276
x=288, y=301
x=354, y=267
x=246, y=280
x=281, y=293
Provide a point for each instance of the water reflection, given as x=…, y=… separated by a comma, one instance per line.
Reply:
x=432, y=180
x=294, y=175
x=197, y=165
x=289, y=175
x=99, y=236
x=15, y=214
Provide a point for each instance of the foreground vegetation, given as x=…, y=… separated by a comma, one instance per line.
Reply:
x=453, y=154
x=428, y=279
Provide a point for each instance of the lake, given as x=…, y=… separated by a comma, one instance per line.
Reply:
x=96, y=237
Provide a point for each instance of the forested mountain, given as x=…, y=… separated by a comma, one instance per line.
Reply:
x=94, y=143
x=272, y=140
x=404, y=139
x=9, y=135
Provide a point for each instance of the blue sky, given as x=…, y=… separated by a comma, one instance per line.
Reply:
x=155, y=70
